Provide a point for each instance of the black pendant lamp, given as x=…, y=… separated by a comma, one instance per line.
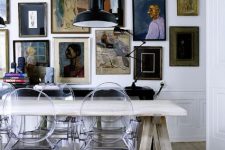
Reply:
x=95, y=17
x=2, y=22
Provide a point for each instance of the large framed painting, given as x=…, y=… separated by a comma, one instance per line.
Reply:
x=111, y=51
x=72, y=60
x=63, y=13
x=115, y=7
x=5, y=10
x=32, y=19
x=184, y=46
x=149, y=20
x=187, y=7
x=148, y=63
x=4, y=52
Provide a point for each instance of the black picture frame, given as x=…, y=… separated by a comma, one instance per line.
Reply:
x=32, y=19
x=184, y=46
x=144, y=27
x=148, y=63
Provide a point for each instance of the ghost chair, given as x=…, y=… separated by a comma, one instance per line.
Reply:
x=108, y=132
x=31, y=119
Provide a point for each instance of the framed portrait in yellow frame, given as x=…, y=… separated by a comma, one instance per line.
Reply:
x=187, y=7
x=4, y=52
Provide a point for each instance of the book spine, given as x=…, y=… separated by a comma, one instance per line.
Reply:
x=15, y=75
x=16, y=80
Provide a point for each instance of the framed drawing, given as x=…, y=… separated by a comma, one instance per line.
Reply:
x=32, y=19
x=63, y=13
x=187, y=7
x=4, y=10
x=72, y=60
x=4, y=52
x=111, y=51
x=151, y=26
x=148, y=63
x=184, y=46
x=117, y=8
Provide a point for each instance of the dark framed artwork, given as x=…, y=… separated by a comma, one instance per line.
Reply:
x=184, y=46
x=149, y=20
x=5, y=10
x=35, y=52
x=32, y=19
x=148, y=63
x=72, y=60
x=111, y=51
x=63, y=13
x=187, y=7
x=115, y=7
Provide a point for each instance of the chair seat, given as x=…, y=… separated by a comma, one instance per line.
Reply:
x=35, y=146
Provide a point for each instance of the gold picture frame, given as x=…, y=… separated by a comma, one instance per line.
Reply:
x=4, y=52
x=187, y=7
x=72, y=60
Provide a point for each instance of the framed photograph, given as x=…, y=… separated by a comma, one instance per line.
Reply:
x=32, y=19
x=4, y=52
x=184, y=46
x=111, y=51
x=72, y=60
x=148, y=63
x=4, y=10
x=149, y=20
x=117, y=8
x=187, y=7
x=63, y=13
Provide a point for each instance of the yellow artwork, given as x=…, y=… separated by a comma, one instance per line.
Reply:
x=187, y=7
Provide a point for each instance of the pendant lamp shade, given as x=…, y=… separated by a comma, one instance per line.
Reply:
x=2, y=22
x=95, y=16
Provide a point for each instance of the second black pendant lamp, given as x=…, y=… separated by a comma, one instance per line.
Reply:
x=95, y=17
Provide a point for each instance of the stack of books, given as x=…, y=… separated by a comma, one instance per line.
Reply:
x=16, y=78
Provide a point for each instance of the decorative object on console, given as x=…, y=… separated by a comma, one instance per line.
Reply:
x=63, y=14
x=21, y=65
x=4, y=52
x=4, y=10
x=72, y=60
x=95, y=16
x=111, y=51
x=151, y=25
x=184, y=46
x=187, y=7
x=32, y=19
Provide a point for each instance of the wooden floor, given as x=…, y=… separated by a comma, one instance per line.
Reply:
x=189, y=146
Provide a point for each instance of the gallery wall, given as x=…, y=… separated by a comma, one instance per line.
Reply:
x=184, y=85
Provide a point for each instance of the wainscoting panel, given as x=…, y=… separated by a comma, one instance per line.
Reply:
x=193, y=126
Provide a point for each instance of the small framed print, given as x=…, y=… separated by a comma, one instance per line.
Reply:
x=4, y=10
x=187, y=7
x=63, y=13
x=4, y=52
x=184, y=46
x=72, y=60
x=32, y=19
x=148, y=63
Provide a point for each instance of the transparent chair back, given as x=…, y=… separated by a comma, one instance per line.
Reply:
x=107, y=131
x=26, y=124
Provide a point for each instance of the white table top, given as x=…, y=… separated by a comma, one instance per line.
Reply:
x=98, y=108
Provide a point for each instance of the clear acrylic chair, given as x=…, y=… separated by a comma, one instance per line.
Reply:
x=111, y=132
x=27, y=128
x=4, y=89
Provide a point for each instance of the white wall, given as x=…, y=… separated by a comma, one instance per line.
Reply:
x=184, y=85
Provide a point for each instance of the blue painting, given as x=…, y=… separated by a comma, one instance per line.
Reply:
x=149, y=20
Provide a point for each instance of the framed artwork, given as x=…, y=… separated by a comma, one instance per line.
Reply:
x=4, y=10
x=115, y=7
x=72, y=60
x=32, y=19
x=63, y=13
x=151, y=26
x=187, y=7
x=111, y=51
x=4, y=52
x=184, y=46
x=35, y=52
x=148, y=63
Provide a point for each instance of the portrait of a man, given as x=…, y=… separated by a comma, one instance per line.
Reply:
x=152, y=23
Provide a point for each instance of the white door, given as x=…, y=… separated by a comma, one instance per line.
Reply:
x=215, y=14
